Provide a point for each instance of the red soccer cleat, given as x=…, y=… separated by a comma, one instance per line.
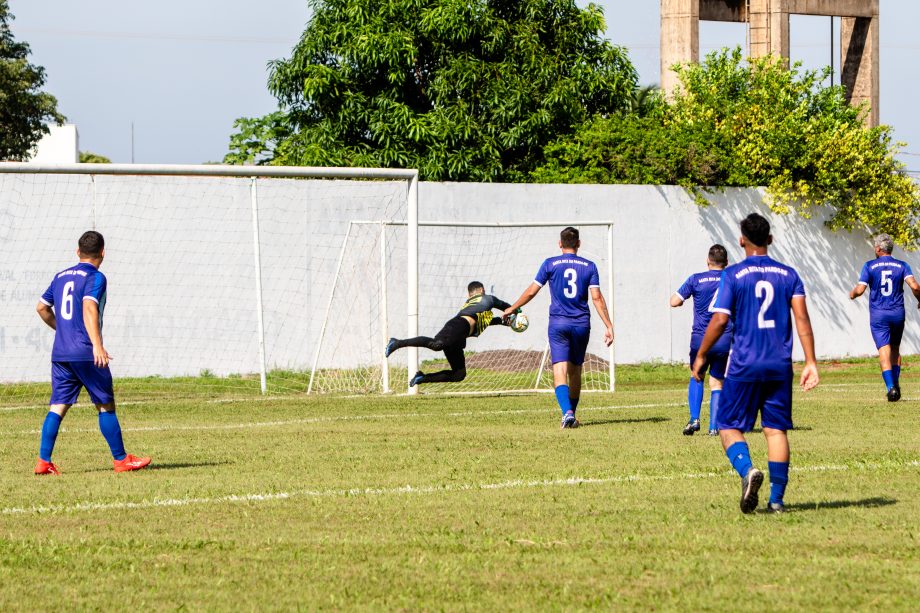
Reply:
x=46, y=468
x=130, y=463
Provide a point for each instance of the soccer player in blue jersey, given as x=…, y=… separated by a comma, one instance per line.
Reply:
x=571, y=278
x=757, y=294
x=885, y=278
x=702, y=288
x=72, y=306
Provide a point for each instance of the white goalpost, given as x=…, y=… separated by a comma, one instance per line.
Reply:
x=229, y=281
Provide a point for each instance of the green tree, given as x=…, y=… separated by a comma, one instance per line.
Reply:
x=752, y=123
x=24, y=109
x=461, y=89
x=88, y=157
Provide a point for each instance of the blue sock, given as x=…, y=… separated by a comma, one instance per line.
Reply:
x=896, y=373
x=574, y=403
x=111, y=430
x=889, y=379
x=714, y=409
x=740, y=457
x=562, y=397
x=49, y=435
x=695, y=398
x=779, y=477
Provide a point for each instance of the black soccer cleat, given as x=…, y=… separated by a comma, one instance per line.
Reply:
x=416, y=379
x=750, y=485
x=692, y=426
x=894, y=394
x=776, y=507
x=713, y=432
x=391, y=347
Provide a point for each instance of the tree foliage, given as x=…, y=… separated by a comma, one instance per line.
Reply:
x=461, y=89
x=88, y=157
x=24, y=108
x=738, y=123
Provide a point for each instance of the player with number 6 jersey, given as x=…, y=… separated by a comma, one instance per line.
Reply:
x=760, y=296
x=885, y=277
x=73, y=306
x=571, y=279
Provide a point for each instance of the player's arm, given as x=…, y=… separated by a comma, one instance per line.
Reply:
x=526, y=297
x=914, y=287
x=676, y=301
x=601, y=305
x=101, y=357
x=46, y=312
x=682, y=294
x=500, y=304
x=860, y=288
x=809, y=377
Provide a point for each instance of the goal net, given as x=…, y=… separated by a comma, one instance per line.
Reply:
x=368, y=305
x=217, y=285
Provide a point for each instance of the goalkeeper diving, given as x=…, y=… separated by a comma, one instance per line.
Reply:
x=472, y=320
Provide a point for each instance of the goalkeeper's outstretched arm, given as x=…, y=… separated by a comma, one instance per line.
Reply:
x=526, y=297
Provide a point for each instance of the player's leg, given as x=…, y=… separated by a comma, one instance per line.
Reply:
x=99, y=384
x=695, y=397
x=456, y=372
x=559, y=354
x=881, y=334
x=776, y=420
x=578, y=348
x=717, y=366
x=739, y=405
x=897, y=332
x=65, y=388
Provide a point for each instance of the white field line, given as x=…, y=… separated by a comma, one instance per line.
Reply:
x=406, y=489
x=340, y=418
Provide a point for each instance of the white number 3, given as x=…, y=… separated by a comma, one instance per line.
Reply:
x=765, y=288
x=571, y=290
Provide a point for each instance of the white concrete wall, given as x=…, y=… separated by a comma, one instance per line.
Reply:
x=60, y=146
x=181, y=268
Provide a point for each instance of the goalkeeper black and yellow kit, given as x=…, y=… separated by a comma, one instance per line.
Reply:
x=474, y=317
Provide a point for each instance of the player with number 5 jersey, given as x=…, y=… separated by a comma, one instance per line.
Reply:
x=761, y=297
x=885, y=277
x=571, y=280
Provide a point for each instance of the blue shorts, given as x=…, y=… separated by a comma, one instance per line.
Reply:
x=67, y=378
x=886, y=332
x=741, y=401
x=716, y=363
x=568, y=343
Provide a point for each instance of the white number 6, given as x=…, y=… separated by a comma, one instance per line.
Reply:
x=67, y=301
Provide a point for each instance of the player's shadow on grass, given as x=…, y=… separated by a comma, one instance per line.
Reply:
x=796, y=429
x=867, y=503
x=603, y=422
x=166, y=466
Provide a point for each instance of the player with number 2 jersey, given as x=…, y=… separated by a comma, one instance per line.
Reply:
x=760, y=296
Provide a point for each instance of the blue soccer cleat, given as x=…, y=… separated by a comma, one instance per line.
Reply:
x=416, y=379
x=391, y=347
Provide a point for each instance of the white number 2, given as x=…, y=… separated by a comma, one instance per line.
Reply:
x=67, y=301
x=887, y=285
x=765, y=288
x=571, y=289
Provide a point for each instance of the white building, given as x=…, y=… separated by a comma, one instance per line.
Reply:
x=60, y=146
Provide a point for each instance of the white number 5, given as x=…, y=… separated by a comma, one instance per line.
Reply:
x=887, y=285
x=765, y=288
x=571, y=289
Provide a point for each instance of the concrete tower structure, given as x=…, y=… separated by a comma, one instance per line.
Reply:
x=768, y=33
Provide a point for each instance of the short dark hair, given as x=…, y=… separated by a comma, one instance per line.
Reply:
x=718, y=255
x=472, y=287
x=756, y=229
x=569, y=238
x=91, y=244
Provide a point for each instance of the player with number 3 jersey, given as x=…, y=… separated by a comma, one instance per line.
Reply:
x=571, y=280
x=885, y=277
x=761, y=297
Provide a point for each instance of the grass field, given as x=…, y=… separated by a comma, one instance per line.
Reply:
x=478, y=503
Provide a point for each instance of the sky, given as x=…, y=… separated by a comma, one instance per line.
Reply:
x=182, y=72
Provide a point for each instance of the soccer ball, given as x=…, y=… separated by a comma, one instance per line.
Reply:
x=519, y=322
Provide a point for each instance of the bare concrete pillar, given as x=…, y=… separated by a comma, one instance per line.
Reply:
x=680, y=37
x=769, y=28
x=859, y=59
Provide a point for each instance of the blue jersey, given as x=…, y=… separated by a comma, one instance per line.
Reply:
x=702, y=288
x=66, y=294
x=570, y=277
x=885, y=278
x=757, y=294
